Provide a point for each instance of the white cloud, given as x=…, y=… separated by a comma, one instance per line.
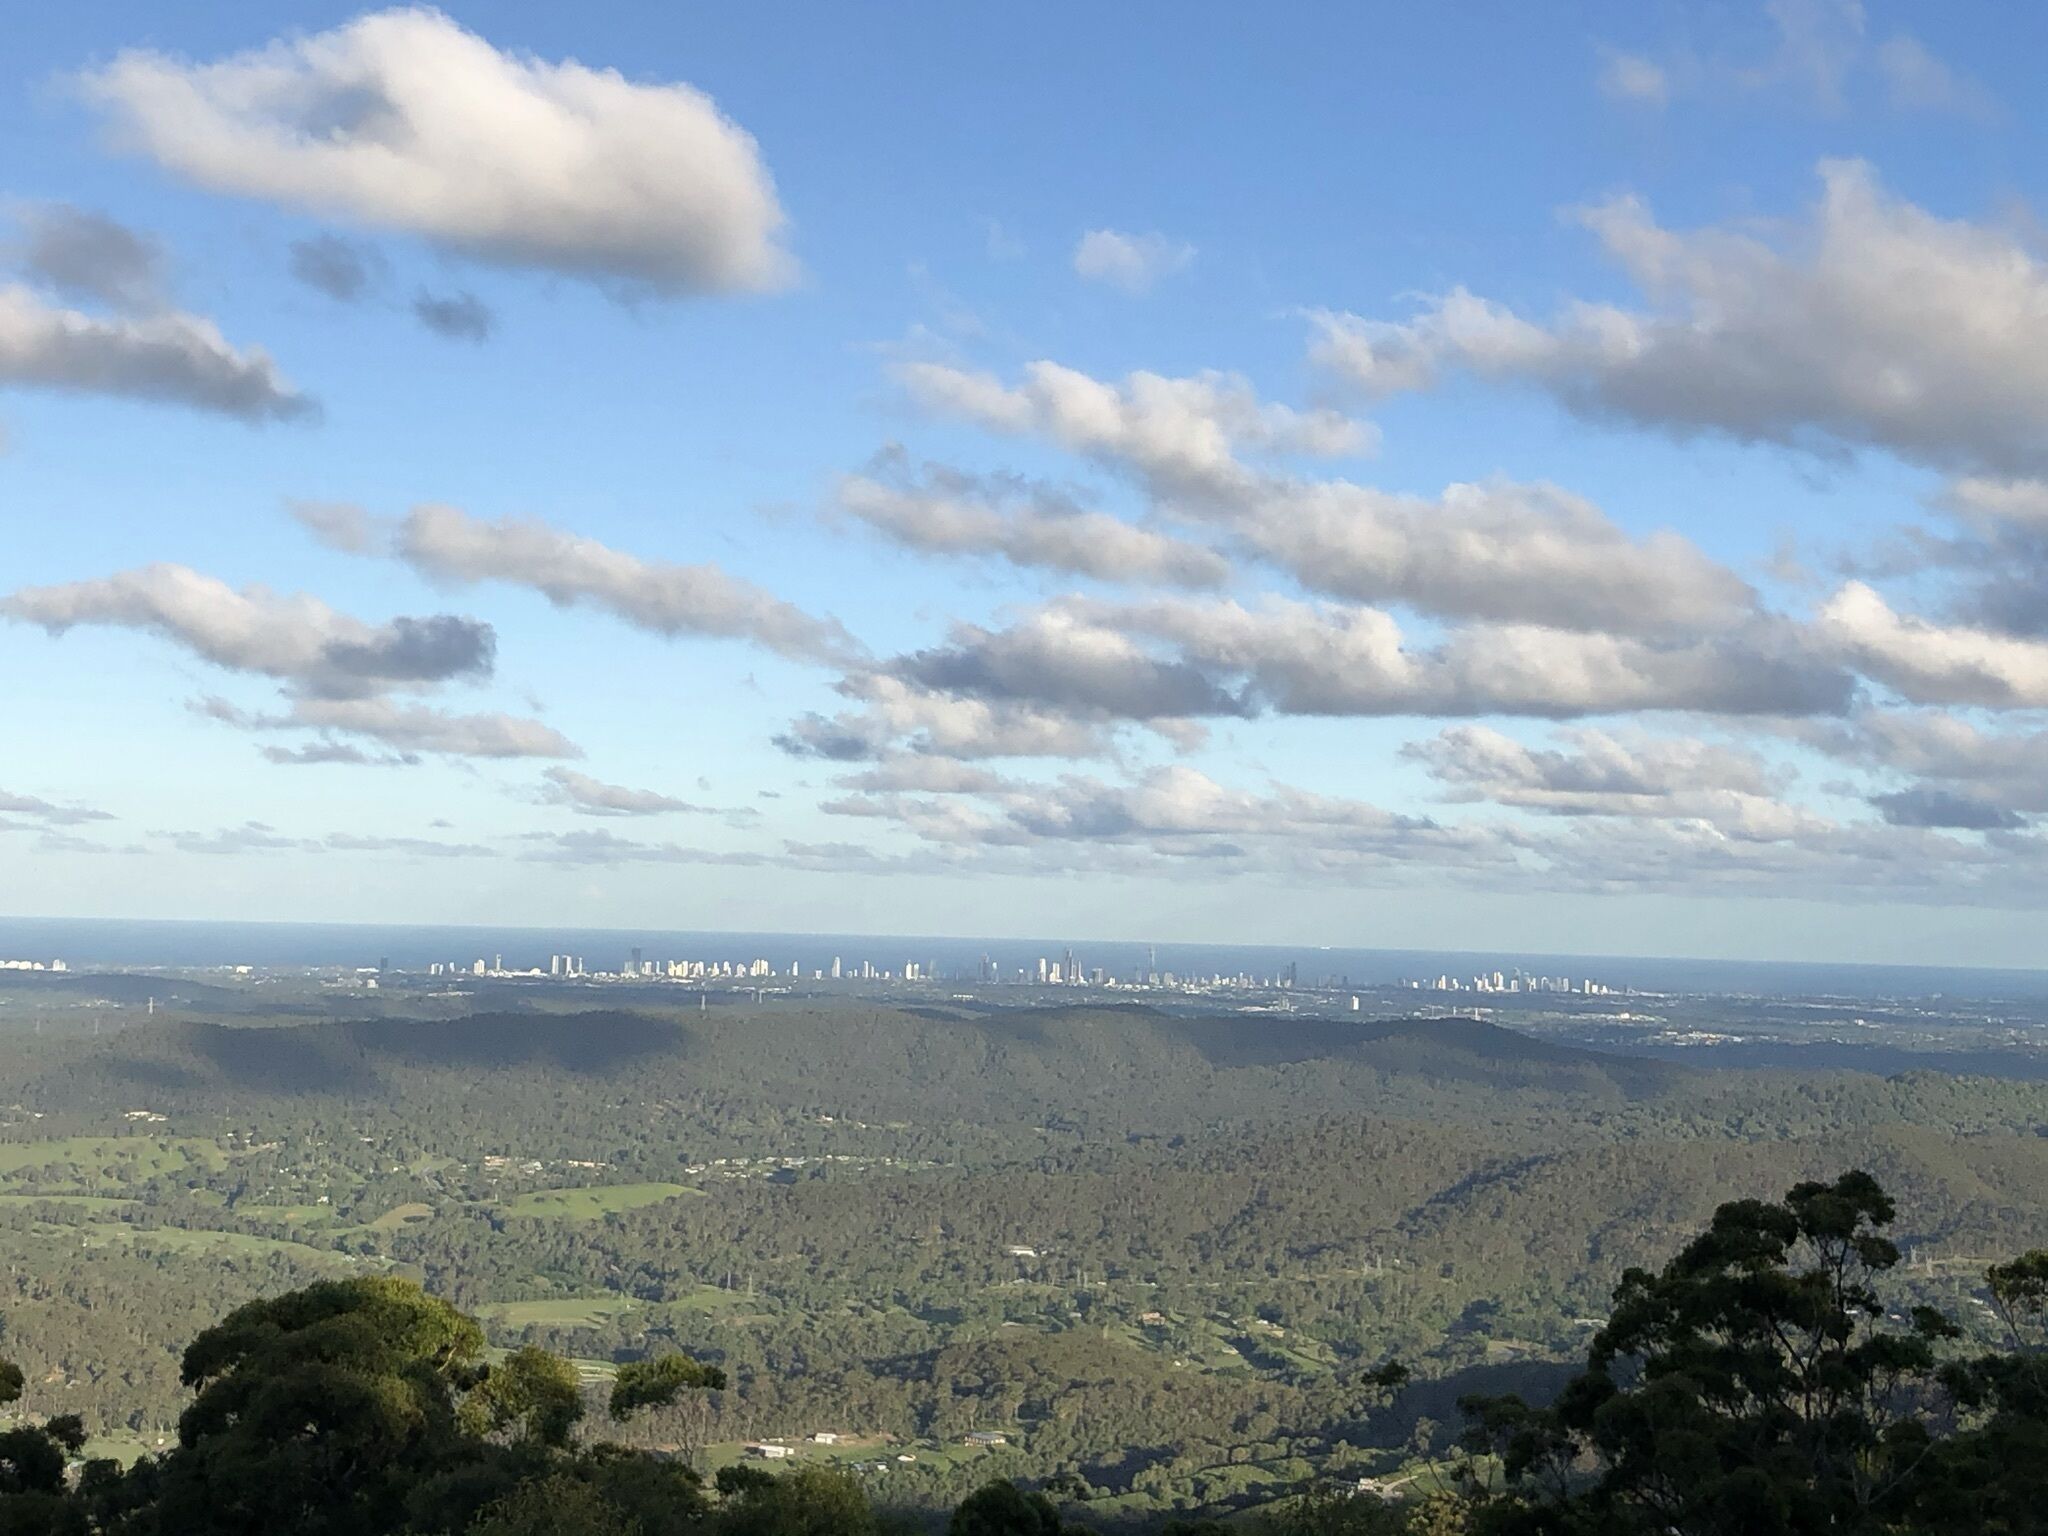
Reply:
x=1930, y=663
x=91, y=256
x=1632, y=78
x=1914, y=78
x=164, y=356
x=403, y=120
x=669, y=599
x=946, y=511
x=295, y=638
x=421, y=728
x=594, y=797
x=1818, y=52
x=1938, y=753
x=1994, y=504
x=1498, y=551
x=1177, y=815
x=1598, y=773
x=1130, y=262
x=1220, y=659
x=48, y=813
x=339, y=525
x=1182, y=433
x=895, y=713
x=1877, y=325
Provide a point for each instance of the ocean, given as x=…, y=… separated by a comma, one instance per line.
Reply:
x=118, y=943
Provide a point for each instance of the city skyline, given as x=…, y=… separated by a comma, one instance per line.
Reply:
x=1481, y=483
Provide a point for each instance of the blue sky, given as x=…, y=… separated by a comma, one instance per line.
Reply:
x=1494, y=476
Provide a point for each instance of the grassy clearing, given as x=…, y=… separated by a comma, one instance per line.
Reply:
x=402, y=1216
x=564, y=1312
x=126, y=1449
x=712, y=1298
x=130, y=1156
x=74, y=1202
x=590, y=1204
x=297, y=1215
x=212, y=1244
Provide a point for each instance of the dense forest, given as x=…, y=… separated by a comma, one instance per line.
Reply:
x=1759, y=1383
x=1166, y=1260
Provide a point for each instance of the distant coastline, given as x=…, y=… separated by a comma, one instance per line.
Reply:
x=165, y=943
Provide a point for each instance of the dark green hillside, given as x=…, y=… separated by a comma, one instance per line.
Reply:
x=1164, y=1256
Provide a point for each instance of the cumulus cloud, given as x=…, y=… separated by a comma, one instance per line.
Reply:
x=295, y=638
x=1184, y=434
x=893, y=713
x=594, y=797
x=1820, y=52
x=1878, y=324
x=163, y=356
x=423, y=728
x=1914, y=78
x=1629, y=77
x=1993, y=505
x=403, y=120
x=1174, y=820
x=1990, y=562
x=449, y=545
x=48, y=813
x=342, y=269
x=921, y=775
x=249, y=837
x=1175, y=814
x=89, y=256
x=600, y=847
x=1929, y=806
x=1130, y=262
x=1529, y=553
x=1835, y=861
x=261, y=837
x=1063, y=656
x=1218, y=658
x=1930, y=663
x=427, y=847
x=339, y=525
x=457, y=316
x=329, y=753
x=1938, y=749
x=941, y=510
x=1598, y=773
x=1515, y=553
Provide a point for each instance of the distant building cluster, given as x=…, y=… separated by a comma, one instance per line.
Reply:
x=1065, y=970
x=33, y=965
x=573, y=968
x=1501, y=981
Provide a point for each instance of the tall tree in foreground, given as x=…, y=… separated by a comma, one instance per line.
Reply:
x=1753, y=1386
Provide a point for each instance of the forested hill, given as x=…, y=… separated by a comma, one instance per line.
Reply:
x=1162, y=1255
x=1127, y=1067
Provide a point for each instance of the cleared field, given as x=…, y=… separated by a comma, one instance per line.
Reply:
x=124, y=1448
x=301, y=1214
x=712, y=1298
x=564, y=1312
x=132, y=1155
x=73, y=1202
x=401, y=1216
x=211, y=1244
x=589, y=1204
